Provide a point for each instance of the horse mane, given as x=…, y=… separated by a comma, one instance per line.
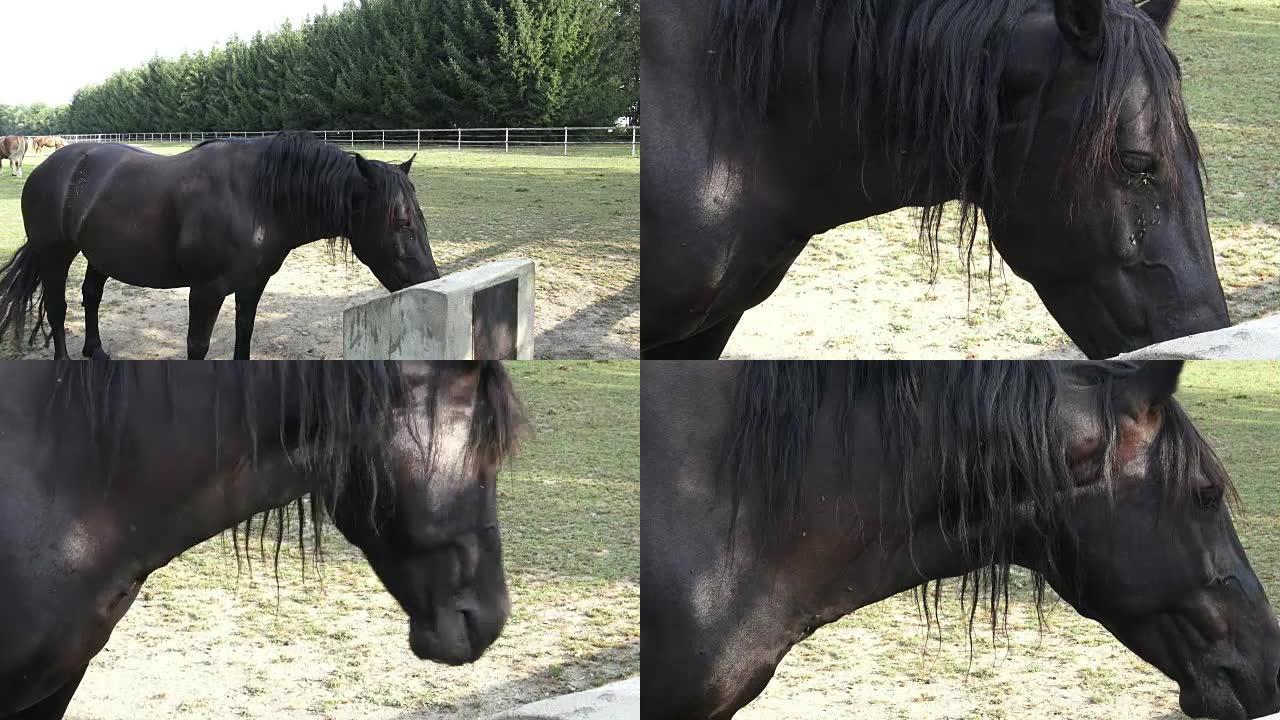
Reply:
x=320, y=403
x=988, y=435
x=936, y=65
x=315, y=186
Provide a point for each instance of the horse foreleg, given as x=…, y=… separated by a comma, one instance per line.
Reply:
x=205, y=303
x=246, y=312
x=53, y=707
x=91, y=292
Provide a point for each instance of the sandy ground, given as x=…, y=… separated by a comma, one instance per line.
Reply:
x=863, y=291
x=300, y=315
x=576, y=217
x=877, y=664
x=337, y=651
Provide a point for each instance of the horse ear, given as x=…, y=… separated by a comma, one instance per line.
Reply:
x=1151, y=386
x=363, y=165
x=1161, y=12
x=407, y=164
x=1083, y=22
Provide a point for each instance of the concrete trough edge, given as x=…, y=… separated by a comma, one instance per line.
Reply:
x=615, y=701
x=1253, y=340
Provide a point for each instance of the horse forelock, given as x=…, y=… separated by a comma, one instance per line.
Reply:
x=988, y=432
x=939, y=64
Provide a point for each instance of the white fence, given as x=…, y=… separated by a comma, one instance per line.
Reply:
x=551, y=139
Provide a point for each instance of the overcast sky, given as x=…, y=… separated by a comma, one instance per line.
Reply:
x=91, y=39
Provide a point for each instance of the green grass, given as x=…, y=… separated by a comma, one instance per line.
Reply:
x=569, y=509
x=1237, y=406
x=1230, y=58
x=878, y=659
x=577, y=216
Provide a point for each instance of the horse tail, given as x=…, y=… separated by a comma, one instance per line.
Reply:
x=19, y=283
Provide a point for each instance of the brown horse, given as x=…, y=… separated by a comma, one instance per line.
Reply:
x=47, y=141
x=14, y=149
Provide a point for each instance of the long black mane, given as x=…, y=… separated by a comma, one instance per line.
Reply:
x=326, y=409
x=938, y=65
x=988, y=431
x=315, y=186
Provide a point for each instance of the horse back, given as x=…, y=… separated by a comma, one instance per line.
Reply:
x=136, y=215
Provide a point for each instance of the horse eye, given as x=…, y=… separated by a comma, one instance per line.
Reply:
x=1137, y=162
x=1209, y=498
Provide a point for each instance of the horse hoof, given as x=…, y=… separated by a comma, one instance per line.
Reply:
x=97, y=354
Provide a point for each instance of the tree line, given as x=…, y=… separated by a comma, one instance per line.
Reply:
x=37, y=119
x=381, y=64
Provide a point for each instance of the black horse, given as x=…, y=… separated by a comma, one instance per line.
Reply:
x=779, y=497
x=1061, y=123
x=112, y=470
x=220, y=219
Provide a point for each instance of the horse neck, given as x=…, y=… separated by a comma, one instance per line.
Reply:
x=190, y=477
x=862, y=532
x=303, y=219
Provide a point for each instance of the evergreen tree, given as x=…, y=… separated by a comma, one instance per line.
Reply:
x=384, y=64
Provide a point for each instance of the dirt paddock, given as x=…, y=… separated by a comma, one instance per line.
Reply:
x=576, y=217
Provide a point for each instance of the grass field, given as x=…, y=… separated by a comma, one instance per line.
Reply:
x=877, y=664
x=863, y=290
x=577, y=216
x=203, y=642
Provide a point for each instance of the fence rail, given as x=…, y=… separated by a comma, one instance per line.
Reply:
x=457, y=138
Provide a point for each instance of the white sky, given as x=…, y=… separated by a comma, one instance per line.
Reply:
x=91, y=39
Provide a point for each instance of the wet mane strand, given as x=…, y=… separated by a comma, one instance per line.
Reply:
x=987, y=431
x=334, y=414
x=937, y=66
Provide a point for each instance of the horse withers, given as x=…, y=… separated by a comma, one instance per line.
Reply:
x=779, y=497
x=152, y=458
x=13, y=148
x=220, y=218
x=1060, y=123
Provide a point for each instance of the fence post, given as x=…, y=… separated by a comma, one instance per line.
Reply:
x=384, y=139
x=419, y=140
x=566, y=142
x=459, y=138
x=507, y=143
x=353, y=139
x=633, y=142
x=326, y=135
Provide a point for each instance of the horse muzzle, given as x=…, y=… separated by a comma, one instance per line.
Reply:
x=458, y=635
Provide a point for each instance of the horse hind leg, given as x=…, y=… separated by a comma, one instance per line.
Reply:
x=53, y=707
x=91, y=294
x=53, y=278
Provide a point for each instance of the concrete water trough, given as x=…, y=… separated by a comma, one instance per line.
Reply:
x=1253, y=340
x=617, y=701
x=485, y=313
